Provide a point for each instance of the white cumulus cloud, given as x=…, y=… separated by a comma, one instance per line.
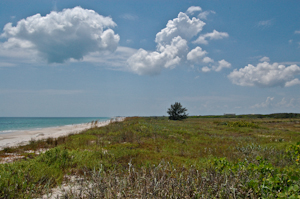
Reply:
x=212, y=36
x=263, y=59
x=201, y=40
x=266, y=75
x=203, y=15
x=193, y=9
x=220, y=65
x=60, y=36
x=292, y=82
x=172, y=47
x=196, y=55
x=206, y=69
x=181, y=26
x=207, y=60
x=166, y=56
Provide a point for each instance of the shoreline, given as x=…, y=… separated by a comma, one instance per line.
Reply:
x=23, y=137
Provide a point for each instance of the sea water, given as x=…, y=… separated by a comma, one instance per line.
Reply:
x=12, y=124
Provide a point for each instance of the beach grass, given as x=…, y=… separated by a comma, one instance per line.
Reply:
x=154, y=157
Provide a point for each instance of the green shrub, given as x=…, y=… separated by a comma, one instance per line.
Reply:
x=293, y=152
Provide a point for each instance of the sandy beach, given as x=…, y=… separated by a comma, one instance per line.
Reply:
x=23, y=137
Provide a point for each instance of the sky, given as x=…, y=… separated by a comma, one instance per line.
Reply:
x=75, y=58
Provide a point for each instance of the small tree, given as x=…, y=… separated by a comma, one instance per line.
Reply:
x=176, y=112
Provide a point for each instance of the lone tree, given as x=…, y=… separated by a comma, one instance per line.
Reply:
x=176, y=112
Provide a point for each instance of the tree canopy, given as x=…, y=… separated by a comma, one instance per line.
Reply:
x=177, y=112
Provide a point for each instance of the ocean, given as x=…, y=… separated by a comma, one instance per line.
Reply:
x=12, y=124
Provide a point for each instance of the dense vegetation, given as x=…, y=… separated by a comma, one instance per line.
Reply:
x=159, y=158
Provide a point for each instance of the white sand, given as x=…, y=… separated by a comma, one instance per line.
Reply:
x=23, y=137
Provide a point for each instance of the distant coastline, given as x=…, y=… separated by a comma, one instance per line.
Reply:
x=14, y=124
x=22, y=137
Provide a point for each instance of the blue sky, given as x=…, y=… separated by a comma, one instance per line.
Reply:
x=110, y=58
